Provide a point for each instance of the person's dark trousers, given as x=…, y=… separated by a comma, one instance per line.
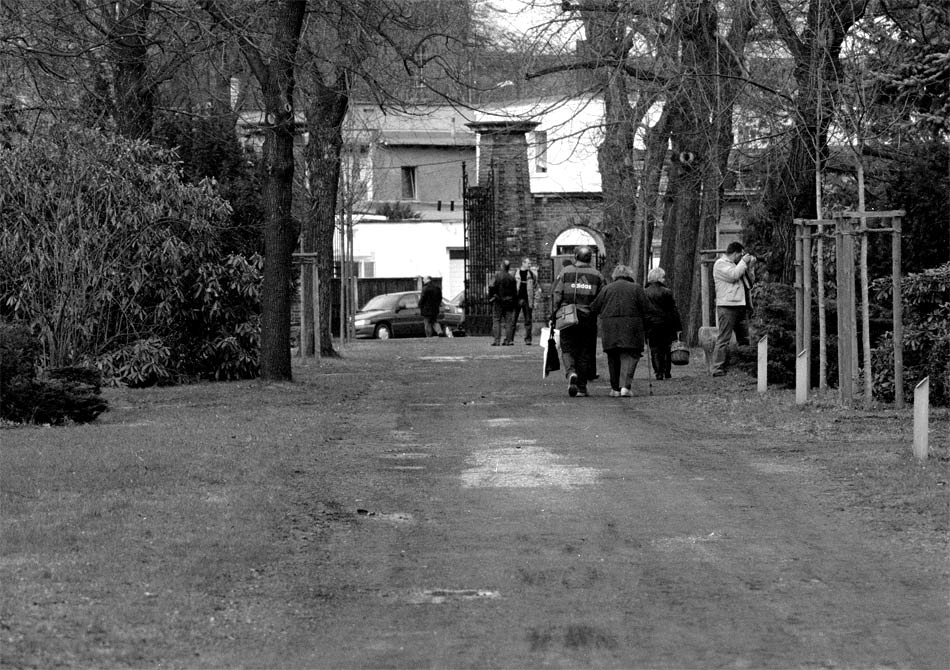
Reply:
x=731, y=320
x=432, y=326
x=579, y=349
x=501, y=322
x=660, y=357
x=497, y=317
x=524, y=308
x=509, y=318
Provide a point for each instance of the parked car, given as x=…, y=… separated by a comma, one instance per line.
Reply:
x=397, y=315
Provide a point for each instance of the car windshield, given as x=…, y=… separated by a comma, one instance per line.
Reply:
x=380, y=302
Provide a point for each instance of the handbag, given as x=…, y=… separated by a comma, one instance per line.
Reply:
x=552, y=361
x=679, y=352
x=565, y=317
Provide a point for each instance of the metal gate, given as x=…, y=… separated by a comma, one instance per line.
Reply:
x=479, y=226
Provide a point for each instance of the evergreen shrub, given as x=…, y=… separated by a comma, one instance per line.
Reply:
x=926, y=321
x=58, y=395
x=110, y=258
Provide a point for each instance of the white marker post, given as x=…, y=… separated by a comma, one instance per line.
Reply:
x=801, y=378
x=921, y=418
x=763, y=368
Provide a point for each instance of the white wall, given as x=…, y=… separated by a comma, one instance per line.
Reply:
x=410, y=249
x=574, y=130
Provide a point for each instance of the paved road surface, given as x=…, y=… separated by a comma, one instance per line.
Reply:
x=465, y=514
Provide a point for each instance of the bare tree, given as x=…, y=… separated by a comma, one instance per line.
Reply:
x=269, y=41
x=393, y=52
x=813, y=38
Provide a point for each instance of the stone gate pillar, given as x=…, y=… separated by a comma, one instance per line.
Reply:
x=503, y=152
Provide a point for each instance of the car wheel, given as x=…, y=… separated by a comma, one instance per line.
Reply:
x=383, y=331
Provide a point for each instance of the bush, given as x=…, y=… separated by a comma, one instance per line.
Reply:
x=19, y=352
x=59, y=395
x=926, y=319
x=111, y=259
x=774, y=317
x=397, y=211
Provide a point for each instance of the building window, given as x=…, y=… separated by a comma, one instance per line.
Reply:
x=409, y=182
x=540, y=147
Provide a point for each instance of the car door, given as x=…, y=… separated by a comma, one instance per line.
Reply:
x=408, y=321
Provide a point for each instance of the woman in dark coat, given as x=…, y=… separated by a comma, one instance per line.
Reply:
x=622, y=306
x=663, y=323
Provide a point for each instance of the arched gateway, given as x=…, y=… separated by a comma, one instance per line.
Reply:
x=503, y=220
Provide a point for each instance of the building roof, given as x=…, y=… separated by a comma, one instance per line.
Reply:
x=427, y=137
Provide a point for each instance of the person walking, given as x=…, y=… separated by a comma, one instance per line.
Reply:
x=663, y=322
x=503, y=296
x=526, y=280
x=578, y=284
x=622, y=307
x=430, y=306
x=733, y=275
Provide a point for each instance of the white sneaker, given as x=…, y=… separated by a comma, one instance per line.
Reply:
x=625, y=393
x=614, y=394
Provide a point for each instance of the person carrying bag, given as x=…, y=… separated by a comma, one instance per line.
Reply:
x=574, y=290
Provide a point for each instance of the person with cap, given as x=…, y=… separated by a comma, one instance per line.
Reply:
x=503, y=296
x=578, y=284
x=430, y=306
x=733, y=275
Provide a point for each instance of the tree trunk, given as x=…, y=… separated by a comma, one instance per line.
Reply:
x=280, y=239
x=789, y=189
x=128, y=49
x=274, y=71
x=648, y=198
x=325, y=116
x=615, y=157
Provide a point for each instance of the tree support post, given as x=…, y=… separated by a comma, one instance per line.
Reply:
x=709, y=330
x=804, y=237
x=801, y=377
x=844, y=279
x=868, y=226
x=309, y=329
x=922, y=418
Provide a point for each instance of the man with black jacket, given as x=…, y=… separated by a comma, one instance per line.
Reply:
x=503, y=296
x=578, y=284
x=430, y=306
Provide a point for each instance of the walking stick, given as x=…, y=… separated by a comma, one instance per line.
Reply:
x=649, y=366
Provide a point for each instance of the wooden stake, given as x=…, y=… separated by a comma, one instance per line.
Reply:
x=844, y=244
x=801, y=390
x=806, y=300
x=799, y=285
x=921, y=418
x=763, y=368
x=316, y=309
x=822, y=316
x=304, y=336
x=898, y=312
x=704, y=292
x=866, y=320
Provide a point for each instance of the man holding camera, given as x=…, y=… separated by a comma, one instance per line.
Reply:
x=733, y=275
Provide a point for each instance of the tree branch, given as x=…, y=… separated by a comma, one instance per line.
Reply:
x=642, y=74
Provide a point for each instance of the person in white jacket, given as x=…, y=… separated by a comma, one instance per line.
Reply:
x=733, y=275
